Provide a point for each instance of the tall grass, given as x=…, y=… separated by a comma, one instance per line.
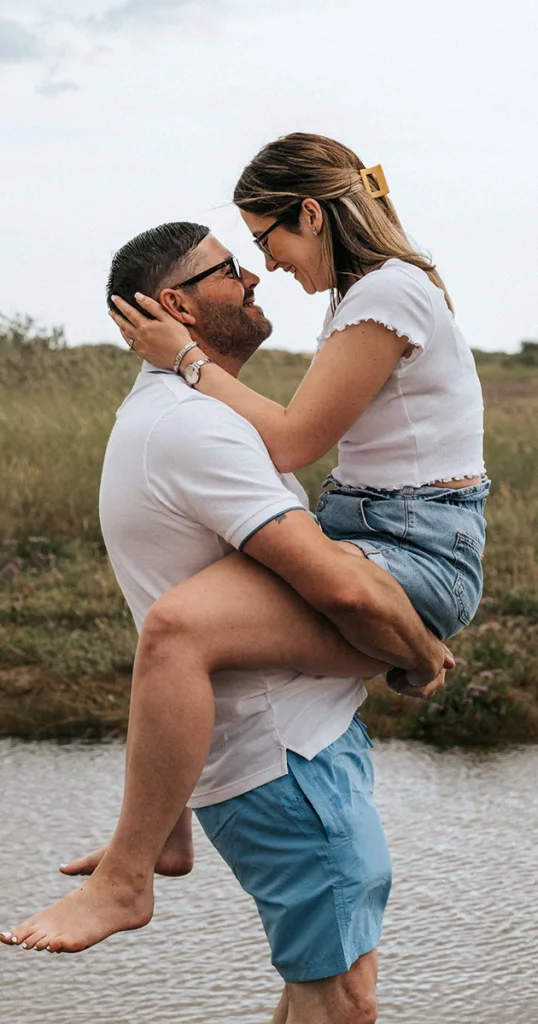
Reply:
x=54, y=429
x=62, y=618
x=52, y=442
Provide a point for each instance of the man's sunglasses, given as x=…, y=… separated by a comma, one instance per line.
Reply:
x=232, y=262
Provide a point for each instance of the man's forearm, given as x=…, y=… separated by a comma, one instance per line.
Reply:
x=379, y=619
x=369, y=608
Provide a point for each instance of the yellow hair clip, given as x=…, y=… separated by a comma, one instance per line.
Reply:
x=377, y=173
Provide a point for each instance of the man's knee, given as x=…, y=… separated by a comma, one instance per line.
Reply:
x=349, y=1011
x=334, y=1006
x=352, y=1009
x=361, y=1010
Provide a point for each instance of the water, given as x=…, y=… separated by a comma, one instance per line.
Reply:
x=461, y=931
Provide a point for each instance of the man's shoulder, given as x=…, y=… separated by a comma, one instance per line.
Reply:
x=199, y=459
x=177, y=407
x=177, y=430
x=161, y=399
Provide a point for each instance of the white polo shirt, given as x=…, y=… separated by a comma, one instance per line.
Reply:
x=185, y=481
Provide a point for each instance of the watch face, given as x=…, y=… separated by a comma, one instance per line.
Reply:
x=192, y=374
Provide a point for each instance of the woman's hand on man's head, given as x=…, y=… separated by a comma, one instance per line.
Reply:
x=159, y=340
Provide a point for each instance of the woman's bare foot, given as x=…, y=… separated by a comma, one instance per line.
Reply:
x=172, y=863
x=109, y=902
x=176, y=859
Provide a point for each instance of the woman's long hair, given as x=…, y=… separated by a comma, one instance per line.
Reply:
x=360, y=232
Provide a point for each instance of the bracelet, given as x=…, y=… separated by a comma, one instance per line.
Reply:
x=180, y=356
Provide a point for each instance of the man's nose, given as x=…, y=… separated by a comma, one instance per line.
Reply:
x=249, y=279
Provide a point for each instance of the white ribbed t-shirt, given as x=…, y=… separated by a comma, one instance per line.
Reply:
x=426, y=422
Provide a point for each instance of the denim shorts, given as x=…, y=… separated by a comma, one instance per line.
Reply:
x=431, y=539
x=310, y=849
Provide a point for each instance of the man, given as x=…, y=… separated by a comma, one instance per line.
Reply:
x=286, y=793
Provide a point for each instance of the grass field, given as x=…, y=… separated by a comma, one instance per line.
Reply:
x=66, y=638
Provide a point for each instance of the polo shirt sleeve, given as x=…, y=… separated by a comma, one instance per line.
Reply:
x=393, y=296
x=208, y=464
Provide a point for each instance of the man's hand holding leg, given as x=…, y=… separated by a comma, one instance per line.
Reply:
x=369, y=608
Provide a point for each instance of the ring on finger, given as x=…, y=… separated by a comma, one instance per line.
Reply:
x=131, y=343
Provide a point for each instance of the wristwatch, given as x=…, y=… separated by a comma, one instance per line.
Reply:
x=191, y=373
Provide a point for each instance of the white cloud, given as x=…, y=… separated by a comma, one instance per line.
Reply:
x=54, y=37
x=139, y=11
x=53, y=88
x=17, y=44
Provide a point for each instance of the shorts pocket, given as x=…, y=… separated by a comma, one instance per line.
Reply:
x=388, y=517
x=469, y=577
x=315, y=810
x=216, y=819
x=347, y=517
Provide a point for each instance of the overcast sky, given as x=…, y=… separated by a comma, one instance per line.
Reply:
x=122, y=115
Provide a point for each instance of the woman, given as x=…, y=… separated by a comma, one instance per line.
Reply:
x=394, y=382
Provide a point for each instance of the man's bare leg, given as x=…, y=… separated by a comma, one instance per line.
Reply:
x=254, y=620
x=281, y=1013
x=345, y=999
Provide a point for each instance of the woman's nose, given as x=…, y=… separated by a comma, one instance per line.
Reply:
x=270, y=263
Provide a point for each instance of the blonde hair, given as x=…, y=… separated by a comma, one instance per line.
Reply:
x=363, y=232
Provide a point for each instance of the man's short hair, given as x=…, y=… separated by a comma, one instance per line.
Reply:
x=144, y=263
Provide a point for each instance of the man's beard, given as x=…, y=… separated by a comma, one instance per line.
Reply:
x=231, y=330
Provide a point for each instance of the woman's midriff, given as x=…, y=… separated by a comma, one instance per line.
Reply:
x=468, y=482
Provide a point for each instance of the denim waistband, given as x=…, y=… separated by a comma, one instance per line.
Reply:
x=476, y=492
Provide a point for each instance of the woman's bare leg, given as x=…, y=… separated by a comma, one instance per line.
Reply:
x=234, y=614
x=175, y=859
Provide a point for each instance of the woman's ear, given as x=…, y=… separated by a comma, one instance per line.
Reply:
x=312, y=216
x=173, y=302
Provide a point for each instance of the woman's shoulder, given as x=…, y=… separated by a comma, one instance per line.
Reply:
x=393, y=275
x=395, y=295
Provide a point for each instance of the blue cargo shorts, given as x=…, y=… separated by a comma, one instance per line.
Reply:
x=310, y=849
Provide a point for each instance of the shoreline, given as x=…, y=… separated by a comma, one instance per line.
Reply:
x=37, y=706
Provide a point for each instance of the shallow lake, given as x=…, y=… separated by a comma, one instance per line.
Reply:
x=461, y=934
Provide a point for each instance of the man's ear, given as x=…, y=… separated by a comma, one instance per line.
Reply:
x=173, y=302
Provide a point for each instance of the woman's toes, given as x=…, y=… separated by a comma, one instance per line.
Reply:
x=18, y=936
x=55, y=945
x=76, y=867
x=41, y=943
x=30, y=940
x=83, y=865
